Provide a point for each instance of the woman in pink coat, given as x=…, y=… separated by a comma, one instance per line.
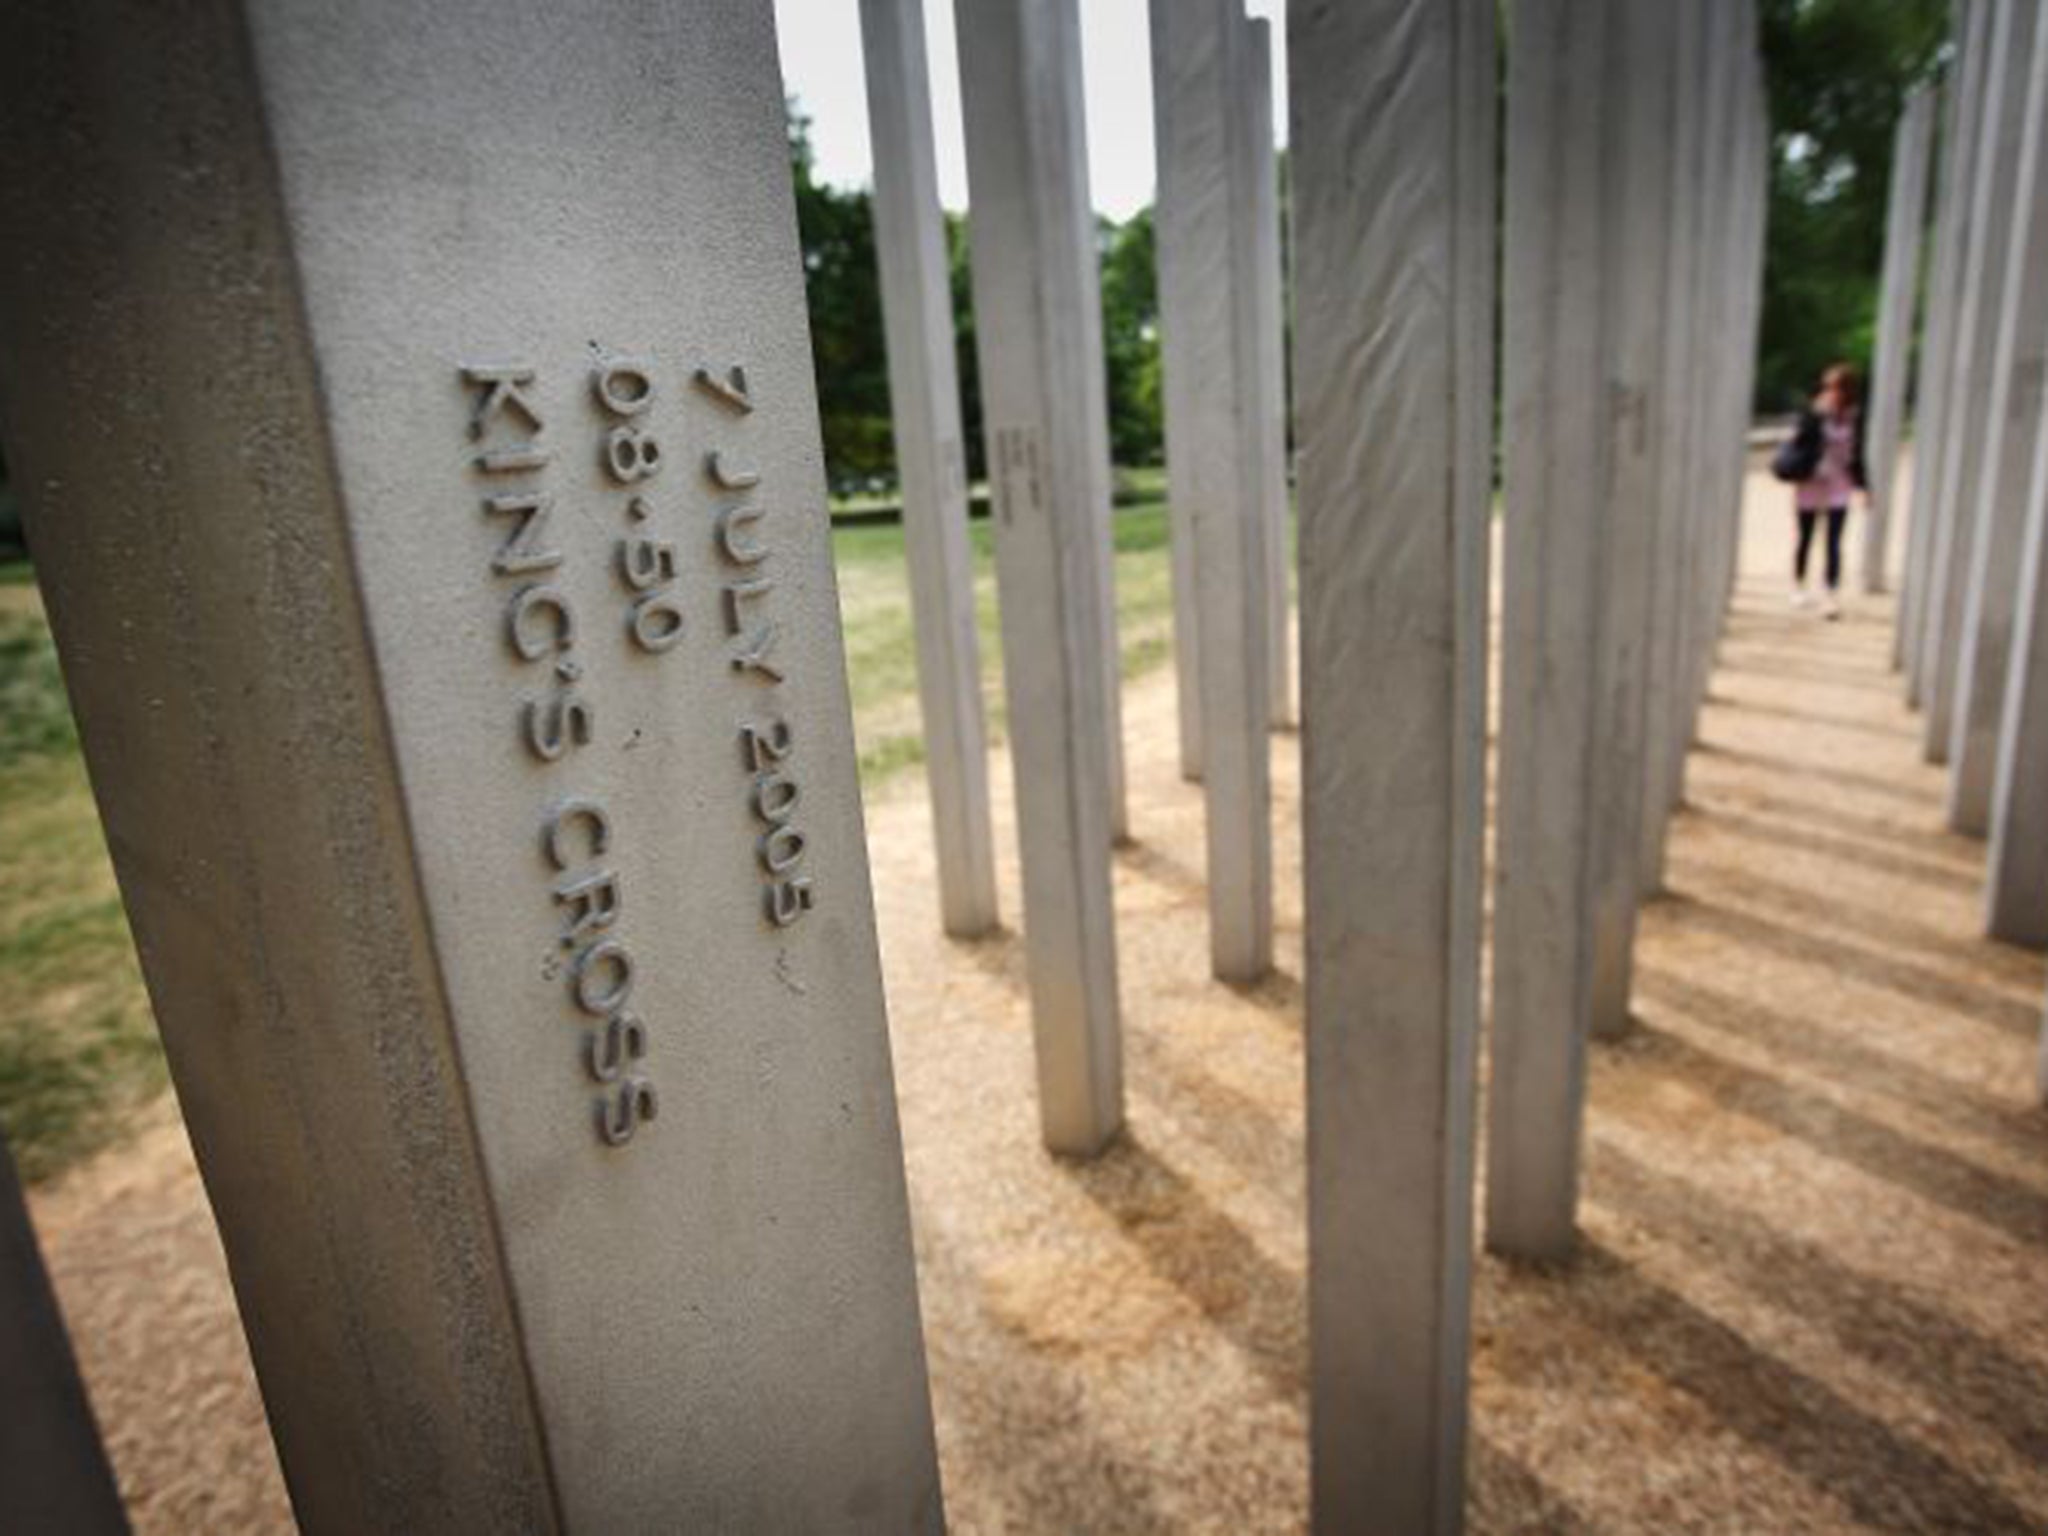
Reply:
x=1824, y=461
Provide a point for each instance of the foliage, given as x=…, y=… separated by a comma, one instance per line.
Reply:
x=35, y=715
x=842, y=286
x=77, y=1048
x=961, y=273
x=842, y=281
x=1130, y=337
x=1838, y=74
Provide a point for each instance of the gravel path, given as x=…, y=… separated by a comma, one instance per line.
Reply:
x=1815, y=1230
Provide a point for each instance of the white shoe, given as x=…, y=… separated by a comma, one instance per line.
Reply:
x=1800, y=599
x=1829, y=608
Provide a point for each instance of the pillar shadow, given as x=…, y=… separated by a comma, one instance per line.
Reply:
x=1263, y=1310
x=1801, y=904
x=1847, y=1060
x=1848, y=1136
x=1778, y=835
x=1814, y=771
x=1265, y=1146
x=1944, y=846
x=1503, y=1493
x=1811, y=1429
x=1858, y=630
x=1255, y=1303
x=1855, y=962
x=1764, y=661
x=1023, y=1419
x=1965, y=1374
x=1856, y=633
x=1809, y=716
x=1162, y=869
x=1278, y=992
x=999, y=955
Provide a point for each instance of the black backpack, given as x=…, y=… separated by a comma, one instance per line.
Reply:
x=1799, y=456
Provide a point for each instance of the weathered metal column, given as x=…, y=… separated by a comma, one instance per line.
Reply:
x=1392, y=135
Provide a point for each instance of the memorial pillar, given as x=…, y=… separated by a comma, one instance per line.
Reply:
x=1735, y=348
x=1392, y=148
x=1678, y=478
x=1186, y=175
x=1100, y=576
x=1637, y=219
x=1237, y=568
x=924, y=394
x=1962, y=111
x=1035, y=284
x=1272, y=376
x=1744, y=272
x=1586, y=139
x=1748, y=265
x=416, y=426
x=2016, y=884
x=2010, y=432
x=1215, y=446
x=1905, y=234
x=54, y=1474
x=1710, y=326
x=1964, y=464
x=1722, y=451
x=1756, y=259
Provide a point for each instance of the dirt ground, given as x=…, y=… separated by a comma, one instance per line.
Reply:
x=1815, y=1230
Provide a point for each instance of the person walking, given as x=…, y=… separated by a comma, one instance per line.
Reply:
x=1824, y=464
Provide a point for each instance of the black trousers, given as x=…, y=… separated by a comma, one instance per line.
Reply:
x=1837, y=516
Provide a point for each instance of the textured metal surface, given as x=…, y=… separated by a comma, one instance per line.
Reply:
x=1189, y=172
x=1215, y=446
x=1898, y=293
x=1099, y=574
x=1962, y=118
x=1712, y=488
x=1564, y=58
x=1993, y=171
x=1681, y=348
x=1035, y=285
x=1235, y=579
x=924, y=397
x=2012, y=428
x=1392, y=152
x=1608, y=107
x=1643, y=66
x=1740, y=268
x=1271, y=402
x=269, y=270
x=2016, y=883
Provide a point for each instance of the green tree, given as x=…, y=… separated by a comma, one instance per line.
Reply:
x=1838, y=74
x=842, y=286
x=1130, y=337
x=960, y=271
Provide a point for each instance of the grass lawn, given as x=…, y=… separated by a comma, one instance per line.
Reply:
x=881, y=653
x=78, y=1048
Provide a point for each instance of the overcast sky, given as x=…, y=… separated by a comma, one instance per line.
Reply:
x=821, y=66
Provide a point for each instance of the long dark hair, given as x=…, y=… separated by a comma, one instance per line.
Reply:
x=1841, y=378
